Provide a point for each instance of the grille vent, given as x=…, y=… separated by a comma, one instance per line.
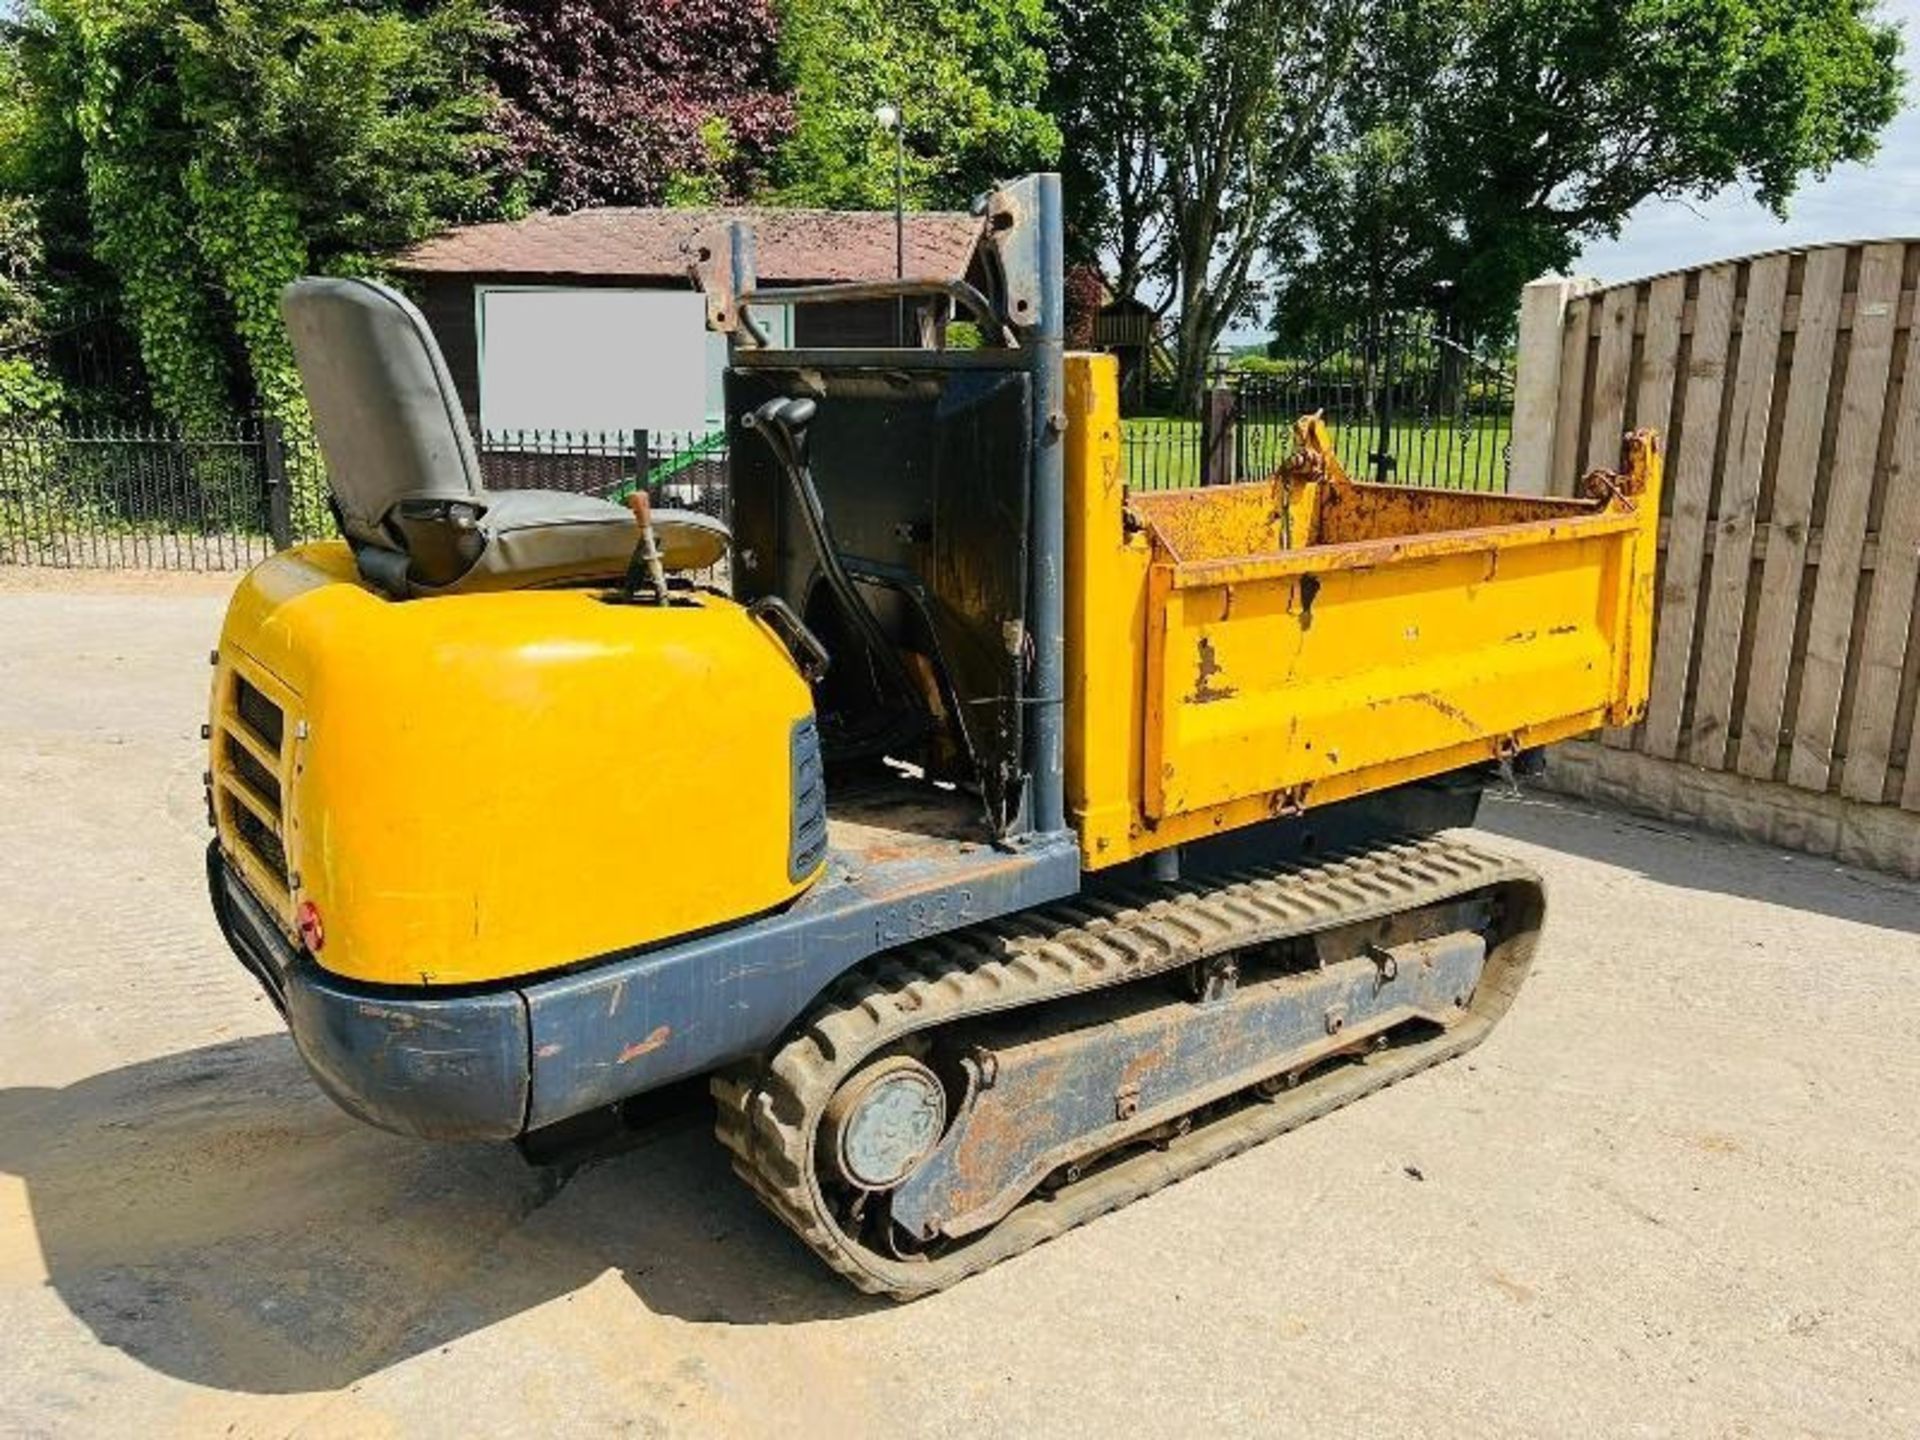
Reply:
x=809, y=836
x=249, y=776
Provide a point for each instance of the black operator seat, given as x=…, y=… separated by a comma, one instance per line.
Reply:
x=405, y=476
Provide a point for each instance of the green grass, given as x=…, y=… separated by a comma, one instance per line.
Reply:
x=1163, y=453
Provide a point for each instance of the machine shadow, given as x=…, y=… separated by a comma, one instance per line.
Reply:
x=1675, y=854
x=214, y=1217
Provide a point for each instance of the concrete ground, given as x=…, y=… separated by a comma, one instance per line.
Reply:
x=1677, y=1193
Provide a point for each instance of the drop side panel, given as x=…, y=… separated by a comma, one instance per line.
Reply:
x=1246, y=652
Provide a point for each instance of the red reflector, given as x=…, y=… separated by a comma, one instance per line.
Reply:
x=312, y=933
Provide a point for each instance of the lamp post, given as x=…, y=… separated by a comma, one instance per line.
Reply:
x=888, y=117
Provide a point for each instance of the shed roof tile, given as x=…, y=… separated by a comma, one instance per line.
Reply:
x=792, y=246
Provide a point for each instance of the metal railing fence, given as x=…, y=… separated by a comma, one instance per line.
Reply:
x=1409, y=397
x=146, y=495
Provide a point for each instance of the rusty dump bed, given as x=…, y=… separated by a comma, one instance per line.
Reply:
x=1247, y=651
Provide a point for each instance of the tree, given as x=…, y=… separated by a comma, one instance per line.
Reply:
x=21, y=261
x=25, y=387
x=1272, y=72
x=968, y=76
x=636, y=102
x=1533, y=126
x=212, y=150
x=1364, y=152
x=1120, y=74
x=1360, y=239
x=1185, y=172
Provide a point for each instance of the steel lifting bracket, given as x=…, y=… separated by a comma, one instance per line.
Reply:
x=1385, y=960
x=1013, y=231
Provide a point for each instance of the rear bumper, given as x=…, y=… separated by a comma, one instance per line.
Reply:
x=493, y=1063
x=454, y=1067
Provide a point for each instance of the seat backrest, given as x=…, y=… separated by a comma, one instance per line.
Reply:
x=385, y=412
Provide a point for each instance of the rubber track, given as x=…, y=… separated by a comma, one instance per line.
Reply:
x=769, y=1112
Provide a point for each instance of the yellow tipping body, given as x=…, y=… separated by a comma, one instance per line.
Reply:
x=483, y=786
x=1245, y=652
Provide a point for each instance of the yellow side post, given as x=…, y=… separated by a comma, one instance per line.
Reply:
x=1105, y=615
x=1643, y=471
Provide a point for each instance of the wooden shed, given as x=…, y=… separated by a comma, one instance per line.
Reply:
x=595, y=325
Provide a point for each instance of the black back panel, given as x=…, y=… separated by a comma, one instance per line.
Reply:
x=925, y=475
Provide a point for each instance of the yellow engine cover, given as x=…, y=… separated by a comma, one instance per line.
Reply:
x=478, y=787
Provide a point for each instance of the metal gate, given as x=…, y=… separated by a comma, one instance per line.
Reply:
x=1411, y=398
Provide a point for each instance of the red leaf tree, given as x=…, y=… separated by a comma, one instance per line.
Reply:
x=639, y=102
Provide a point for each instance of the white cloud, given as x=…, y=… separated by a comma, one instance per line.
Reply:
x=1856, y=202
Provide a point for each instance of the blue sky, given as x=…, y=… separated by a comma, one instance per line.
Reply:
x=1856, y=202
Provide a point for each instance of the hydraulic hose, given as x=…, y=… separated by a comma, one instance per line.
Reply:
x=782, y=423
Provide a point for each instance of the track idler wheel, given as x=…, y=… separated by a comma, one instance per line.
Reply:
x=883, y=1122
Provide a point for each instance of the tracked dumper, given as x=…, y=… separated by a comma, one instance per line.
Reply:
x=1000, y=844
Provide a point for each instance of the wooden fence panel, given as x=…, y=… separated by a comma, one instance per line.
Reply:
x=1887, y=636
x=1843, y=534
x=1660, y=355
x=1745, y=450
x=1788, y=387
x=1690, y=482
x=1790, y=526
x=1574, y=380
x=1612, y=369
x=1658, y=369
x=1910, y=795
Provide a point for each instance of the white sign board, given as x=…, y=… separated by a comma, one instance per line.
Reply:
x=588, y=359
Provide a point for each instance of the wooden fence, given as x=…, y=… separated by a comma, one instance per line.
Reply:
x=1787, y=654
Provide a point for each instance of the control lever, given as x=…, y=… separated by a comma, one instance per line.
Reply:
x=645, y=564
